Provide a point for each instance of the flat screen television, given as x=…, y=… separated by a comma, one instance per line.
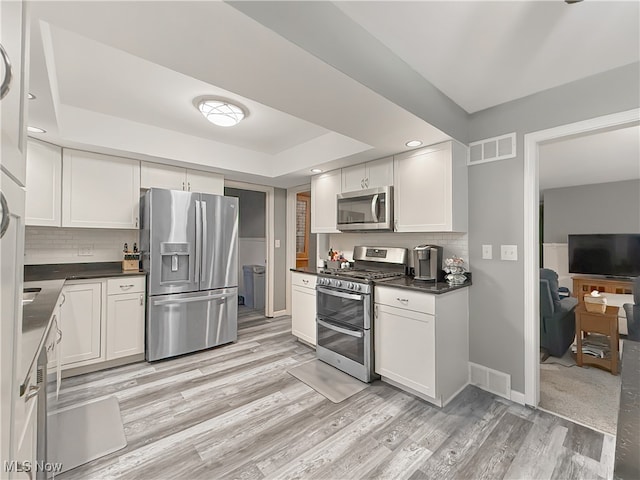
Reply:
x=614, y=255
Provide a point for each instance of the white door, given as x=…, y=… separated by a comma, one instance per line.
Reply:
x=13, y=87
x=205, y=182
x=303, y=313
x=353, y=178
x=379, y=173
x=80, y=322
x=162, y=176
x=125, y=325
x=324, y=191
x=99, y=191
x=405, y=348
x=44, y=184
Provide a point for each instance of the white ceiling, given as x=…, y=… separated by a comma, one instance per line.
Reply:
x=120, y=77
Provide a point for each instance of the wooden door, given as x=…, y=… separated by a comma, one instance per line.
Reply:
x=303, y=228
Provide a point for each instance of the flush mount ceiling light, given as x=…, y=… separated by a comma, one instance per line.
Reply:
x=220, y=111
x=36, y=130
x=316, y=170
x=413, y=143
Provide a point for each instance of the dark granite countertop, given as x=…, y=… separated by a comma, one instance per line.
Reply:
x=76, y=271
x=311, y=271
x=36, y=322
x=627, y=463
x=426, y=286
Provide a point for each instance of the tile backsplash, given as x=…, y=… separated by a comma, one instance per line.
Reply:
x=452, y=243
x=76, y=245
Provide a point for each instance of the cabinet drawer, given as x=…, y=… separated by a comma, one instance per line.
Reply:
x=406, y=299
x=129, y=284
x=303, y=280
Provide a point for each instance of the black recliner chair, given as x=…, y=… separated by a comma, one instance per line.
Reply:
x=557, y=316
x=632, y=310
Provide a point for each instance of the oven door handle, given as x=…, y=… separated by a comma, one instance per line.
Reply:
x=336, y=293
x=335, y=328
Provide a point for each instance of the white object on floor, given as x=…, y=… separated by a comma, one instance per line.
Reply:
x=85, y=432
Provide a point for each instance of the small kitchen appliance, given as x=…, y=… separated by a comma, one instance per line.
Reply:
x=344, y=309
x=427, y=262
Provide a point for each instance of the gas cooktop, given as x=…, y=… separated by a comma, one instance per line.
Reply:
x=357, y=274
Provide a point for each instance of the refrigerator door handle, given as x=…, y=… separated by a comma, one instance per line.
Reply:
x=206, y=298
x=198, y=241
x=203, y=216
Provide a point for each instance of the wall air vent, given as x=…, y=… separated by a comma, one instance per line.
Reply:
x=492, y=149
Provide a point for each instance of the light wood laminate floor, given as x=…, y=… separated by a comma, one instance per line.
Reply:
x=235, y=412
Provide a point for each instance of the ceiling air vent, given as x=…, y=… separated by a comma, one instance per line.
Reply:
x=492, y=149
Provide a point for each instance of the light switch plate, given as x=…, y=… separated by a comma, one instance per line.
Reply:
x=277, y=243
x=509, y=252
x=487, y=252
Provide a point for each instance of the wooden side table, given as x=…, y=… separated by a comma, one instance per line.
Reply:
x=604, y=323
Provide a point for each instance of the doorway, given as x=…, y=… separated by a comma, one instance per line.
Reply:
x=305, y=242
x=532, y=142
x=254, y=238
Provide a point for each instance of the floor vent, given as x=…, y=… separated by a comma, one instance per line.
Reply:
x=490, y=380
x=492, y=149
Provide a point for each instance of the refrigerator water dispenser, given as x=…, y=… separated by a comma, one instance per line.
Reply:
x=177, y=264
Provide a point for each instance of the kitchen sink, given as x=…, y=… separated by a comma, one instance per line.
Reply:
x=29, y=295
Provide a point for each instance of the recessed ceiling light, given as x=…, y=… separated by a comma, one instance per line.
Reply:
x=31, y=96
x=220, y=112
x=413, y=143
x=316, y=170
x=36, y=130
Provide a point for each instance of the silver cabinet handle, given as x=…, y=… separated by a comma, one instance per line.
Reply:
x=366, y=182
x=362, y=183
x=376, y=311
x=141, y=299
x=403, y=300
x=189, y=186
x=136, y=222
x=8, y=75
x=128, y=286
x=183, y=186
x=64, y=299
x=335, y=328
x=4, y=212
x=306, y=282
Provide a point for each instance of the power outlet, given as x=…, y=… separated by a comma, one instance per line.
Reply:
x=85, y=251
x=509, y=252
x=487, y=252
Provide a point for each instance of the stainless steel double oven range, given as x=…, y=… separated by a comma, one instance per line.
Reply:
x=344, y=307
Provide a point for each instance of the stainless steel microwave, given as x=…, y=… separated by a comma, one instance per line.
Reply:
x=370, y=209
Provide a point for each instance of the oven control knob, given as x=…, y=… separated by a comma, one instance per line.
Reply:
x=357, y=286
x=351, y=286
x=338, y=283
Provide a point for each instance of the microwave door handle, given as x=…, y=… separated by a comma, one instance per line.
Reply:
x=335, y=293
x=335, y=328
x=374, y=207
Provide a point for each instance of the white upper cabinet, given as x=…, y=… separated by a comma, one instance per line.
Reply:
x=162, y=176
x=44, y=184
x=99, y=191
x=324, y=190
x=178, y=178
x=378, y=173
x=430, y=190
x=205, y=182
x=13, y=87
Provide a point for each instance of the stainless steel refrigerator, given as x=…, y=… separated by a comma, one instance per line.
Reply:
x=189, y=244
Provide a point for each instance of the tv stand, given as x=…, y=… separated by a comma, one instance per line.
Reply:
x=584, y=284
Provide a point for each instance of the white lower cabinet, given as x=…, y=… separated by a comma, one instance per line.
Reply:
x=102, y=320
x=421, y=341
x=81, y=320
x=303, y=306
x=125, y=321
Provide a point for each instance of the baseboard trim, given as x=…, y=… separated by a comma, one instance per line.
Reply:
x=517, y=397
x=280, y=313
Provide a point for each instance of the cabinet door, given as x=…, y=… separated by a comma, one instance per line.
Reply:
x=405, y=348
x=99, y=191
x=25, y=432
x=379, y=173
x=303, y=313
x=353, y=178
x=162, y=176
x=423, y=190
x=205, y=182
x=80, y=322
x=44, y=183
x=324, y=191
x=125, y=325
x=13, y=35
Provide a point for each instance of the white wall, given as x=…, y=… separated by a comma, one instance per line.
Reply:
x=62, y=245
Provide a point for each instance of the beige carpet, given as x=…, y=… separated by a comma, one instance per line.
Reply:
x=587, y=395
